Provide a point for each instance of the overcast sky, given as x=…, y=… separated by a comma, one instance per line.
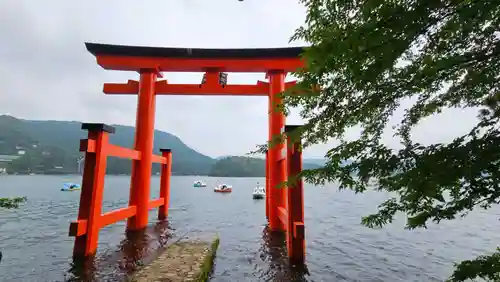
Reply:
x=46, y=72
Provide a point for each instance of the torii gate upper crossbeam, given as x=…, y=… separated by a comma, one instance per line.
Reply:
x=135, y=58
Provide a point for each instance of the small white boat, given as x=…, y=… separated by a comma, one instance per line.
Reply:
x=223, y=188
x=199, y=184
x=259, y=192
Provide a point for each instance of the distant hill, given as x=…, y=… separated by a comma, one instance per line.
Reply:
x=52, y=146
x=244, y=167
x=316, y=161
x=223, y=157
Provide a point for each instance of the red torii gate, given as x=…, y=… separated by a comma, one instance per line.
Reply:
x=284, y=206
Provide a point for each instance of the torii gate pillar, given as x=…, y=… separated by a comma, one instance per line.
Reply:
x=144, y=134
x=277, y=167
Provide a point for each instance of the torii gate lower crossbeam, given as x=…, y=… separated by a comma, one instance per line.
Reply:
x=284, y=207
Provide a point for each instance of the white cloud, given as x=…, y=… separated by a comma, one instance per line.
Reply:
x=46, y=72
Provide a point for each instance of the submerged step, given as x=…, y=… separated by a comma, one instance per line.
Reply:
x=181, y=261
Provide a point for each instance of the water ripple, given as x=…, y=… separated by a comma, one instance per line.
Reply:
x=36, y=246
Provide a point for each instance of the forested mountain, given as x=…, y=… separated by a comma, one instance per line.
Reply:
x=245, y=167
x=52, y=147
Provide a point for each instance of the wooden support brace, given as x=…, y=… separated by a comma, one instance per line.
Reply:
x=156, y=203
x=210, y=87
x=117, y=215
x=79, y=227
x=158, y=159
x=131, y=87
x=124, y=153
x=89, y=146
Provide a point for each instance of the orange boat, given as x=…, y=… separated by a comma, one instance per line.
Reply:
x=223, y=188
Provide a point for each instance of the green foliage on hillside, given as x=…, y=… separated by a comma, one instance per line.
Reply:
x=50, y=144
x=51, y=147
x=371, y=56
x=239, y=167
x=12, y=203
x=244, y=167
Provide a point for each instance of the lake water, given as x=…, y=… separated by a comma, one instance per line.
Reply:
x=36, y=247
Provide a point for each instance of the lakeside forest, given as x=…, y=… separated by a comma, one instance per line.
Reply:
x=51, y=147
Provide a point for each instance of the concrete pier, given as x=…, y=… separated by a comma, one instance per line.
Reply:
x=182, y=261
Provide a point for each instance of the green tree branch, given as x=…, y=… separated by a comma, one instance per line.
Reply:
x=370, y=56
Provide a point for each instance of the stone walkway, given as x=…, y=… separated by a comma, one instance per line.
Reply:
x=182, y=261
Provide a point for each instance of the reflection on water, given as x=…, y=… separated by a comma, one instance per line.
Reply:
x=141, y=247
x=82, y=270
x=36, y=247
x=137, y=249
x=273, y=250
